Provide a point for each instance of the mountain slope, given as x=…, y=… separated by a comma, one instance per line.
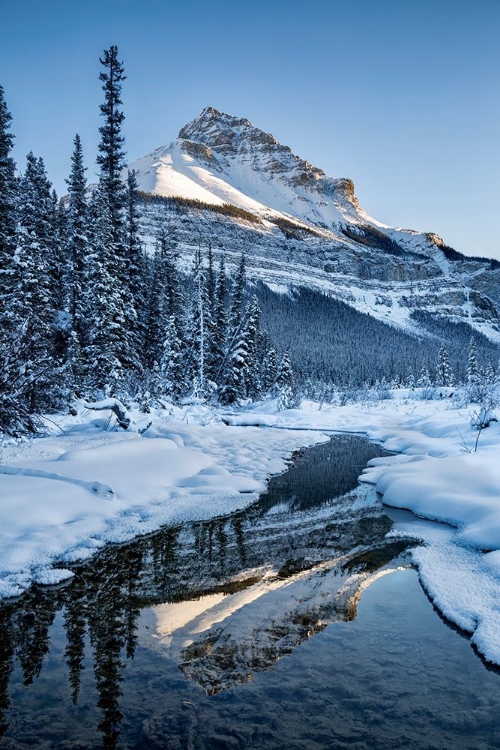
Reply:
x=307, y=229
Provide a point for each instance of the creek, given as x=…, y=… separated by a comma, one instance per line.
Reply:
x=296, y=623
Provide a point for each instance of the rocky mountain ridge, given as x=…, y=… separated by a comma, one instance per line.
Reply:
x=299, y=227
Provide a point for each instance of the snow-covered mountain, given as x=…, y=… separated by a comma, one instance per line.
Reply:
x=300, y=227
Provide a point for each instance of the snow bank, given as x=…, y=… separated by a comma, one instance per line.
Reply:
x=63, y=497
x=436, y=476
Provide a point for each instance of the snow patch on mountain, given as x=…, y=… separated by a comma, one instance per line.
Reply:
x=384, y=271
x=218, y=158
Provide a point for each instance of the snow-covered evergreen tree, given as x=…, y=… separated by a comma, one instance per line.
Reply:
x=269, y=371
x=77, y=250
x=111, y=158
x=238, y=297
x=241, y=372
x=8, y=189
x=171, y=363
x=13, y=413
x=135, y=276
x=198, y=326
x=103, y=304
x=410, y=382
x=211, y=357
x=284, y=382
x=77, y=237
x=424, y=380
x=472, y=363
x=211, y=279
x=175, y=281
x=113, y=199
x=34, y=298
x=444, y=373
x=156, y=317
x=253, y=380
x=220, y=328
x=489, y=374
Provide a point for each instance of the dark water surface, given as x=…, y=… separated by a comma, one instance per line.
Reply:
x=282, y=626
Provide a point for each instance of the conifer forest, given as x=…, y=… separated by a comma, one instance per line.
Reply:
x=86, y=312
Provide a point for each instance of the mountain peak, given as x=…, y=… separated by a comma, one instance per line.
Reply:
x=215, y=128
x=222, y=158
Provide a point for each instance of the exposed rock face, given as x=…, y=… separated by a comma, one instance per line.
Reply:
x=236, y=137
x=199, y=151
x=312, y=231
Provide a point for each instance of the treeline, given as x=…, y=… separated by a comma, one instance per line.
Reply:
x=365, y=234
x=84, y=312
x=294, y=231
x=334, y=343
x=179, y=204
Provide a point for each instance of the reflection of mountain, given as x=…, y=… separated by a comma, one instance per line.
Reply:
x=271, y=576
x=221, y=640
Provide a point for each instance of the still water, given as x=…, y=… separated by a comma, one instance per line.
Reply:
x=293, y=624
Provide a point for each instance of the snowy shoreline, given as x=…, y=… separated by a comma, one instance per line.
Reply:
x=432, y=476
x=93, y=487
x=63, y=497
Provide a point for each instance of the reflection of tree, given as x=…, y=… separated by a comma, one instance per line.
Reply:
x=32, y=630
x=112, y=612
x=163, y=548
x=222, y=541
x=106, y=635
x=75, y=625
x=132, y=605
x=104, y=599
x=6, y=654
x=237, y=524
x=210, y=534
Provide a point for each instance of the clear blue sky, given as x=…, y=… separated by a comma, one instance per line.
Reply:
x=400, y=95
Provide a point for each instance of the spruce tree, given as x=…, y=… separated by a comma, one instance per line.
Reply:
x=171, y=363
x=197, y=329
x=211, y=332
x=252, y=334
x=210, y=276
x=284, y=382
x=219, y=340
x=111, y=158
x=78, y=255
x=444, y=372
x=34, y=302
x=472, y=363
x=237, y=296
x=14, y=417
x=77, y=238
x=232, y=378
x=270, y=370
x=8, y=189
x=174, y=289
x=241, y=378
x=135, y=309
x=103, y=304
x=489, y=374
x=57, y=248
x=155, y=319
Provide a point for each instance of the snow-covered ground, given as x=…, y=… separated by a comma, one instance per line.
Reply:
x=63, y=497
x=435, y=476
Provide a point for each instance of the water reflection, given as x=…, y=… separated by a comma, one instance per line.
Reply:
x=307, y=547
